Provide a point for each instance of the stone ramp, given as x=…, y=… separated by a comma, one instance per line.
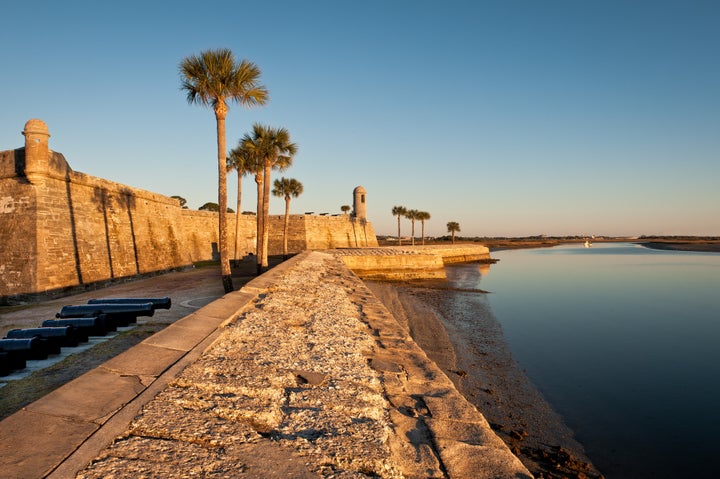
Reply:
x=308, y=376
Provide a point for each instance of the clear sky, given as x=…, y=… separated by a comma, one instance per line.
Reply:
x=511, y=117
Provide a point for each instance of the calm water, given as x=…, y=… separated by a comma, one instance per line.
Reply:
x=624, y=342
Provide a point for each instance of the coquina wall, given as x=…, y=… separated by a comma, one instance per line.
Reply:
x=60, y=229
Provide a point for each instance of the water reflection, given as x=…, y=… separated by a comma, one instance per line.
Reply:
x=483, y=269
x=623, y=342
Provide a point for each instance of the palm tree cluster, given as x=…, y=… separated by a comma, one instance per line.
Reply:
x=214, y=78
x=412, y=215
x=259, y=152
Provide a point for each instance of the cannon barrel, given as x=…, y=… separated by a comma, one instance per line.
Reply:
x=89, y=326
x=52, y=344
x=158, y=303
x=29, y=348
x=63, y=336
x=117, y=314
x=137, y=309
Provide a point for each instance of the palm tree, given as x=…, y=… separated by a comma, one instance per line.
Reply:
x=213, y=79
x=412, y=215
x=423, y=216
x=453, y=227
x=287, y=187
x=274, y=148
x=243, y=159
x=399, y=211
x=345, y=209
x=254, y=165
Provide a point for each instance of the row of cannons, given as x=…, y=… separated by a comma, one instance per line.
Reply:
x=73, y=325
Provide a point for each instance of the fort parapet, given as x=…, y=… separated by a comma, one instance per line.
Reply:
x=61, y=229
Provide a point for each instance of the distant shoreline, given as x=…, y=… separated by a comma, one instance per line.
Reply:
x=708, y=244
x=709, y=247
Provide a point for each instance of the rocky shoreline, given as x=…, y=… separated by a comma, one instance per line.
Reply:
x=496, y=385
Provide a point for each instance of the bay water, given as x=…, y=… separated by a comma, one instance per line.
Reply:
x=624, y=343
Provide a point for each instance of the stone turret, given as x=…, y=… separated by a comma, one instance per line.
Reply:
x=37, y=151
x=359, y=205
x=39, y=159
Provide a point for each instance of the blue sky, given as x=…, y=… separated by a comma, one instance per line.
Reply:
x=510, y=117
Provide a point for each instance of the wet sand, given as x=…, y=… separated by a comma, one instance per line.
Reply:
x=486, y=374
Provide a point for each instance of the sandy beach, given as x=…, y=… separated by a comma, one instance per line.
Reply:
x=488, y=377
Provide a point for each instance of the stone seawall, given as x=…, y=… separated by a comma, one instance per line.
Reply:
x=301, y=373
x=409, y=262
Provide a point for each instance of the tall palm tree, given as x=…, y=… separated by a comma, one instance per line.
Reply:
x=453, y=227
x=213, y=78
x=412, y=215
x=399, y=211
x=287, y=187
x=274, y=148
x=423, y=216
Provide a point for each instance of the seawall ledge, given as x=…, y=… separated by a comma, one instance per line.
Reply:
x=309, y=373
x=409, y=262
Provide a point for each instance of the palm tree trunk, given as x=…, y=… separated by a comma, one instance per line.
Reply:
x=266, y=213
x=287, y=224
x=220, y=112
x=423, y=231
x=413, y=231
x=453, y=237
x=259, y=221
x=237, y=213
x=399, y=240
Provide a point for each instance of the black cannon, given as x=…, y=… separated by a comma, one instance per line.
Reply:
x=84, y=327
x=158, y=303
x=62, y=336
x=51, y=342
x=6, y=367
x=10, y=361
x=117, y=314
x=28, y=348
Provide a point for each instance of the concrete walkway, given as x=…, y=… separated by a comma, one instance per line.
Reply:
x=301, y=373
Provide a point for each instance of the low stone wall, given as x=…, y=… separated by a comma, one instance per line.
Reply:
x=395, y=266
x=409, y=262
x=452, y=253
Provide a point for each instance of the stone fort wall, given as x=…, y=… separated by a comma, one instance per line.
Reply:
x=60, y=229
